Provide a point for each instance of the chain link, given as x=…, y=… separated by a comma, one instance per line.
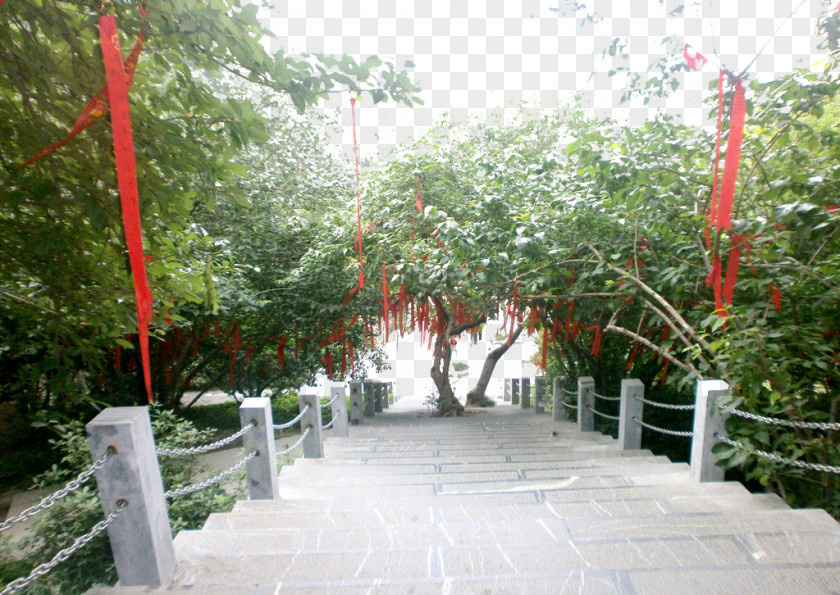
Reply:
x=808, y=425
x=329, y=425
x=71, y=487
x=197, y=487
x=181, y=452
x=568, y=405
x=289, y=424
x=571, y=393
x=326, y=405
x=770, y=456
x=606, y=398
x=295, y=445
x=604, y=415
x=679, y=433
x=43, y=569
x=664, y=405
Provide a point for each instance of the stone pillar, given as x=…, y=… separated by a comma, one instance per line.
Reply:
x=140, y=536
x=386, y=395
x=313, y=444
x=558, y=412
x=539, y=394
x=391, y=397
x=377, y=397
x=368, y=398
x=526, y=393
x=355, y=402
x=339, y=412
x=514, y=391
x=707, y=420
x=506, y=396
x=585, y=418
x=262, y=469
x=629, y=432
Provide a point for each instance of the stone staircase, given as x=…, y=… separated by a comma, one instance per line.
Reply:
x=503, y=501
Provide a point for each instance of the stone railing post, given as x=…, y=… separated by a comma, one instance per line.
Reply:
x=707, y=420
x=585, y=418
x=506, y=396
x=355, y=402
x=262, y=469
x=140, y=536
x=539, y=394
x=339, y=412
x=386, y=395
x=514, y=391
x=313, y=444
x=558, y=410
x=391, y=397
x=369, y=408
x=525, y=401
x=629, y=432
x=377, y=396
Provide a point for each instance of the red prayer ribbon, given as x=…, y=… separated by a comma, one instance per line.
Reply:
x=419, y=198
x=732, y=267
x=358, y=197
x=714, y=280
x=596, y=343
x=695, y=62
x=776, y=296
x=713, y=211
x=127, y=180
x=733, y=158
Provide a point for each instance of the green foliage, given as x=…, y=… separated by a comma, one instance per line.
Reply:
x=73, y=516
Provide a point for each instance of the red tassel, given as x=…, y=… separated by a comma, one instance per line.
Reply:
x=596, y=343
x=732, y=266
x=714, y=280
x=127, y=181
x=419, y=198
x=697, y=61
x=776, y=295
x=733, y=158
x=358, y=197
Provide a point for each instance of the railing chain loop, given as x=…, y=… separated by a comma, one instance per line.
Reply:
x=604, y=397
x=295, y=445
x=58, y=495
x=571, y=393
x=770, y=456
x=196, y=487
x=604, y=415
x=289, y=424
x=568, y=405
x=807, y=425
x=45, y=568
x=181, y=452
x=664, y=405
x=327, y=405
x=682, y=434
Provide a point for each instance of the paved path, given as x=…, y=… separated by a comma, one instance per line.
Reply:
x=504, y=501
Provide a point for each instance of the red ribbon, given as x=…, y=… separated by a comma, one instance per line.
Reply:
x=732, y=266
x=776, y=295
x=281, y=347
x=714, y=280
x=733, y=158
x=419, y=198
x=596, y=343
x=358, y=197
x=385, y=301
x=127, y=180
x=713, y=211
x=697, y=61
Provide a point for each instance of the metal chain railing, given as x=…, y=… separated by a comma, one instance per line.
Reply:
x=606, y=398
x=569, y=405
x=807, y=425
x=777, y=458
x=571, y=393
x=295, y=445
x=329, y=425
x=181, y=452
x=664, y=405
x=48, y=501
x=45, y=568
x=682, y=434
x=326, y=405
x=604, y=415
x=289, y=424
x=196, y=487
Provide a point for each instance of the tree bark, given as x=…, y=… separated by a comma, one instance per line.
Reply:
x=475, y=398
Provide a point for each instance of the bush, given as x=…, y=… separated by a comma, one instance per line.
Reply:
x=59, y=526
x=225, y=416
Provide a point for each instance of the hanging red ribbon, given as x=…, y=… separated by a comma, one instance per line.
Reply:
x=127, y=180
x=776, y=295
x=733, y=158
x=358, y=197
x=281, y=347
x=419, y=198
x=385, y=301
x=732, y=267
x=544, y=348
x=596, y=342
x=695, y=62
x=714, y=280
x=713, y=209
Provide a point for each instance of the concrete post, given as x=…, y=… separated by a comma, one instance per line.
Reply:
x=506, y=396
x=391, y=397
x=368, y=398
x=558, y=410
x=514, y=391
x=355, y=402
x=339, y=412
x=585, y=418
x=539, y=394
x=262, y=469
x=140, y=536
x=386, y=395
x=313, y=444
x=707, y=420
x=526, y=393
x=377, y=396
x=629, y=432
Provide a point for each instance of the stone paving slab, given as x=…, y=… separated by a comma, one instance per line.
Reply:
x=795, y=548
x=768, y=580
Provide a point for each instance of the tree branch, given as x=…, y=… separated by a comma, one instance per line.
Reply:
x=652, y=346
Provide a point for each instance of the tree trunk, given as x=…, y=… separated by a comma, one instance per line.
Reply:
x=448, y=404
x=475, y=398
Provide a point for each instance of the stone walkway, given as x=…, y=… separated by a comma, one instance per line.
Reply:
x=503, y=501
